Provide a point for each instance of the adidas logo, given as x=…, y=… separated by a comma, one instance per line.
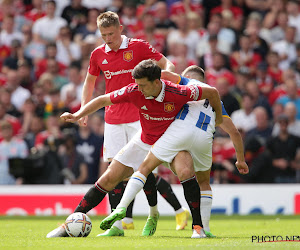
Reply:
x=144, y=107
x=104, y=61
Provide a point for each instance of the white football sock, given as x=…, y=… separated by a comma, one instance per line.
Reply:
x=118, y=224
x=128, y=220
x=153, y=211
x=179, y=211
x=134, y=185
x=205, y=208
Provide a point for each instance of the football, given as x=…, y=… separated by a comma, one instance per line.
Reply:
x=78, y=225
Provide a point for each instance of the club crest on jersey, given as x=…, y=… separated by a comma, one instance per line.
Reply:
x=169, y=106
x=128, y=55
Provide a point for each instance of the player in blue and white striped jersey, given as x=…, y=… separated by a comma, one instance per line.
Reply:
x=191, y=134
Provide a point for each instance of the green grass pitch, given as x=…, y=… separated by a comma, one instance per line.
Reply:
x=233, y=232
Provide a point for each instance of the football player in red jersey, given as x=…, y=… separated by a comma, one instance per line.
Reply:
x=158, y=102
x=116, y=59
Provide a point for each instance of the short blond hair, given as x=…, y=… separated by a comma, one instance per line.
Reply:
x=108, y=19
x=196, y=70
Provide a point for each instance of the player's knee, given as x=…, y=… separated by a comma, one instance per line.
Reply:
x=108, y=181
x=185, y=173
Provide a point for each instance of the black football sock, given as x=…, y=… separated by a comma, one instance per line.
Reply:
x=91, y=199
x=151, y=190
x=116, y=195
x=192, y=197
x=164, y=188
x=130, y=207
x=129, y=210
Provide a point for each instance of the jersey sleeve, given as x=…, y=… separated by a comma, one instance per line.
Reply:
x=120, y=95
x=194, y=92
x=224, y=112
x=93, y=66
x=183, y=80
x=149, y=52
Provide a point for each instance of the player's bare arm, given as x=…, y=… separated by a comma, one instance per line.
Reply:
x=89, y=108
x=87, y=92
x=166, y=64
x=236, y=138
x=213, y=96
x=170, y=76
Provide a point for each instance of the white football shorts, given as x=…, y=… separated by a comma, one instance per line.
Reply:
x=192, y=139
x=134, y=153
x=116, y=136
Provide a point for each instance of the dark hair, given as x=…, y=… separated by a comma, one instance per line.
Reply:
x=75, y=65
x=245, y=94
x=147, y=68
x=50, y=45
x=108, y=19
x=194, y=69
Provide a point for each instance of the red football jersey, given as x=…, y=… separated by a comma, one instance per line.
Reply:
x=156, y=114
x=117, y=68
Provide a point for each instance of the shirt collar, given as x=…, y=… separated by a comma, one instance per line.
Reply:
x=124, y=44
x=161, y=96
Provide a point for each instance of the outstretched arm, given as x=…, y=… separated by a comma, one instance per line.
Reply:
x=89, y=108
x=166, y=64
x=236, y=138
x=170, y=76
x=87, y=92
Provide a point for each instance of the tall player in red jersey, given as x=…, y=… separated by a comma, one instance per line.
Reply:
x=116, y=59
x=158, y=102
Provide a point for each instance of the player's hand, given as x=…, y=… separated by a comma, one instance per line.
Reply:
x=68, y=117
x=242, y=167
x=83, y=121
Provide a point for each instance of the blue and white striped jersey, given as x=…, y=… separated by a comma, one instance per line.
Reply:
x=199, y=113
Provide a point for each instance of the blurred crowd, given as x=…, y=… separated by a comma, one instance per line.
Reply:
x=249, y=49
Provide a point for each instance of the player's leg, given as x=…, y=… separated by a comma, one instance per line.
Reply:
x=132, y=155
x=183, y=166
x=202, y=158
x=111, y=177
x=150, y=188
x=165, y=189
x=127, y=222
x=203, y=178
x=114, y=198
x=135, y=184
x=111, y=148
x=131, y=130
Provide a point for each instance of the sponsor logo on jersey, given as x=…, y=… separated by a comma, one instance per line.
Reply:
x=128, y=55
x=104, y=61
x=169, y=106
x=108, y=74
x=151, y=118
x=144, y=107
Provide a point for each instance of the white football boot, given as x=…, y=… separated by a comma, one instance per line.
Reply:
x=198, y=232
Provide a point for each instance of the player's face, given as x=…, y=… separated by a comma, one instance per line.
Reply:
x=147, y=87
x=112, y=36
